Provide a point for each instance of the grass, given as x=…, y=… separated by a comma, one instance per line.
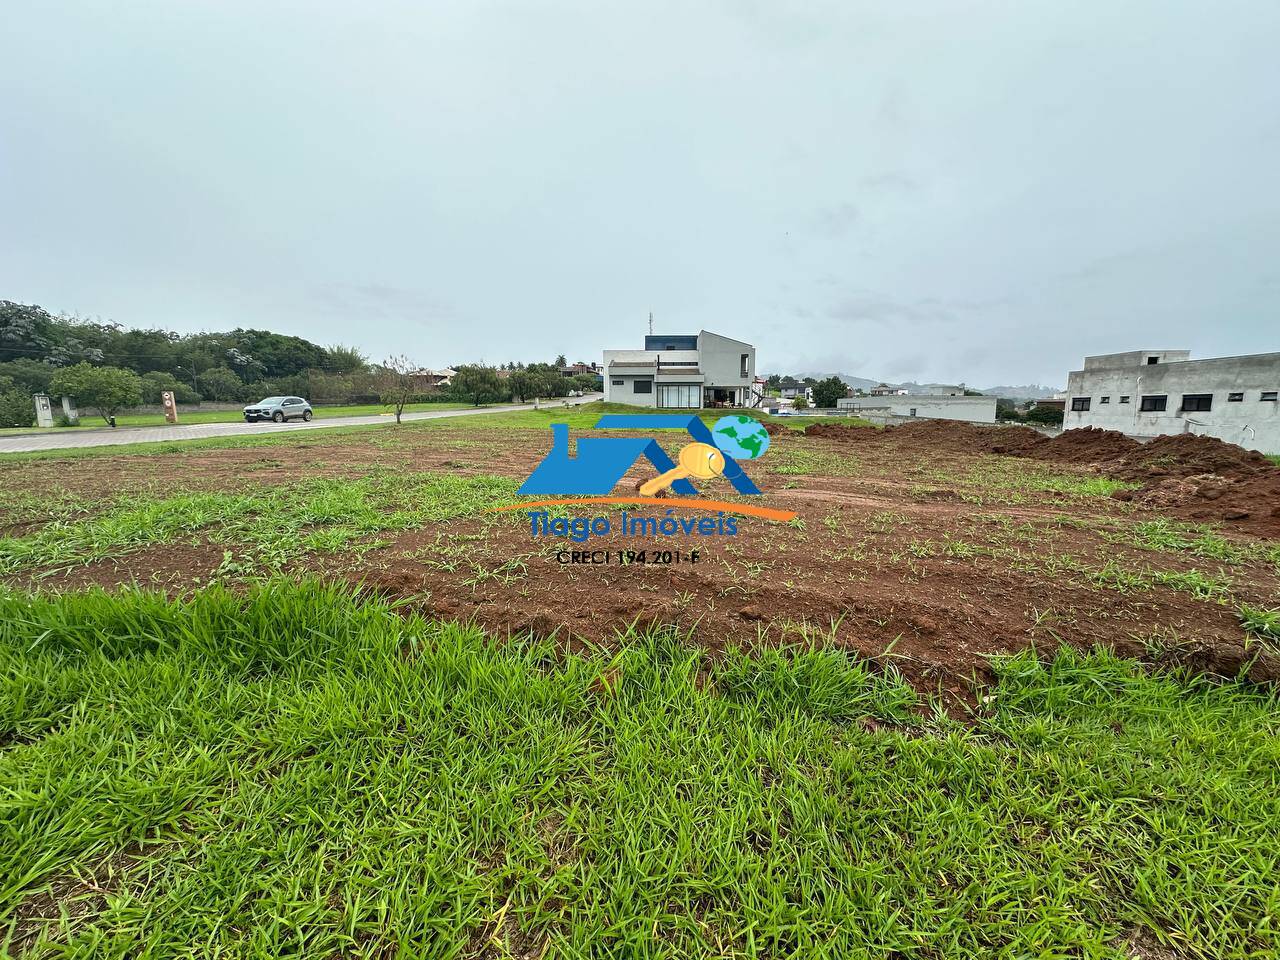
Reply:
x=374, y=434
x=265, y=530
x=89, y=420
x=578, y=417
x=295, y=772
x=1261, y=624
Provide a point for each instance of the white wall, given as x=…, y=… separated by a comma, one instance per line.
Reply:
x=720, y=360
x=625, y=392
x=1250, y=422
x=923, y=407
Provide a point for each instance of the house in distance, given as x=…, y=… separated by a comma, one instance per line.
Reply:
x=684, y=372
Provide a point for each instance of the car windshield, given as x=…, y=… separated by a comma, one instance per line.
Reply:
x=269, y=401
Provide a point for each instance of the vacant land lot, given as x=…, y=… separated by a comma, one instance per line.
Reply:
x=799, y=745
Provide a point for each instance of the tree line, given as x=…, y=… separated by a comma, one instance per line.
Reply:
x=108, y=367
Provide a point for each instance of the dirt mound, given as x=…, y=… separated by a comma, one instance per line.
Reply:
x=773, y=429
x=1188, y=476
x=1187, y=455
x=1086, y=445
x=1248, y=505
x=841, y=431
x=1017, y=441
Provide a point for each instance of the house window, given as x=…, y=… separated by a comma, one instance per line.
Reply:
x=745, y=358
x=1124, y=399
x=1154, y=404
x=617, y=383
x=1197, y=402
x=1268, y=395
x=642, y=386
x=1235, y=397
x=1105, y=400
x=1080, y=403
x=1152, y=361
x=913, y=411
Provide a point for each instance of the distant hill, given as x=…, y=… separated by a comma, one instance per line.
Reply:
x=1022, y=392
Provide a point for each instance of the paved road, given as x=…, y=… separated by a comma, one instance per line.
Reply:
x=106, y=437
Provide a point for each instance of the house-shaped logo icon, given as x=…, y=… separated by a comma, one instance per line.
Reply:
x=600, y=462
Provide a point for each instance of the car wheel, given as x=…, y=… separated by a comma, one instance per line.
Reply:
x=306, y=416
x=278, y=416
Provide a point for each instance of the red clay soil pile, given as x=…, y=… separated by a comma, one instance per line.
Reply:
x=1016, y=441
x=1086, y=445
x=1187, y=455
x=1250, y=505
x=841, y=431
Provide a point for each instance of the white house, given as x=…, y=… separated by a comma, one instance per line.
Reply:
x=683, y=371
x=1148, y=393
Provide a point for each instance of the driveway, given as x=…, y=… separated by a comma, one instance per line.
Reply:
x=106, y=437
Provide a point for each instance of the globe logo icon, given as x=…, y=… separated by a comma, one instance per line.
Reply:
x=742, y=438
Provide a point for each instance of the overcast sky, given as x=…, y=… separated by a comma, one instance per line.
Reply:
x=945, y=191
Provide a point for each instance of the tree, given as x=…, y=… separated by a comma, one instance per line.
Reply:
x=395, y=383
x=523, y=384
x=1007, y=410
x=17, y=408
x=477, y=384
x=561, y=361
x=800, y=403
x=25, y=331
x=29, y=375
x=1041, y=414
x=105, y=389
x=828, y=391
x=340, y=358
x=157, y=382
x=221, y=384
x=775, y=381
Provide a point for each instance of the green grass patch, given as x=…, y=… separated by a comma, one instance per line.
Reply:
x=1169, y=535
x=1261, y=624
x=264, y=530
x=294, y=772
x=1203, y=586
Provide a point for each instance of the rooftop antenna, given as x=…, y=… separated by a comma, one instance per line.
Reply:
x=651, y=323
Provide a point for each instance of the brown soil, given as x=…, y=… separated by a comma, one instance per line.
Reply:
x=1191, y=477
x=899, y=552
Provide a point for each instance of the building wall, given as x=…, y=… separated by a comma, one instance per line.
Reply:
x=720, y=360
x=1250, y=422
x=625, y=392
x=926, y=407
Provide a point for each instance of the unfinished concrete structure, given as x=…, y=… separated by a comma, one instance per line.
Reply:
x=923, y=406
x=1149, y=393
x=683, y=372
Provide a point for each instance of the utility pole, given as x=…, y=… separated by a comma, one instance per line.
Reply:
x=651, y=323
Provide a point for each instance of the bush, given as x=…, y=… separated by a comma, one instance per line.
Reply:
x=157, y=382
x=105, y=389
x=477, y=385
x=17, y=408
x=220, y=383
x=1049, y=415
